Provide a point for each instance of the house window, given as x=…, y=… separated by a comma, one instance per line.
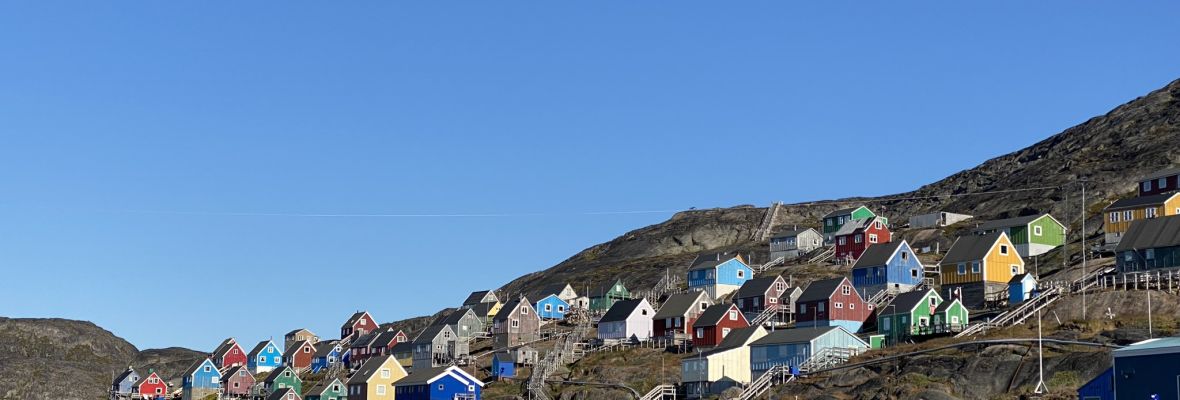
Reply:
x=1003, y=249
x=733, y=315
x=975, y=267
x=851, y=306
x=839, y=305
x=781, y=287
x=843, y=240
x=1128, y=215
x=700, y=333
x=385, y=373
x=1150, y=211
x=828, y=222
x=1150, y=254
x=802, y=308
x=885, y=324
x=704, y=306
x=845, y=290
x=381, y=390
x=524, y=310
x=954, y=319
x=820, y=306
x=548, y=307
x=741, y=302
x=159, y=391
x=962, y=269
x=1015, y=270
x=913, y=273
x=741, y=274
x=278, y=359
x=207, y=368
x=213, y=380
x=261, y=359
x=1114, y=216
x=242, y=373
x=307, y=350
x=877, y=224
x=1037, y=230
x=644, y=312
x=724, y=332
x=872, y=238
x=933, y=302
x=237, y=384
x=1146, y=186
x=515, y=323
x=470, y=388
x=559, y=309
x=1162, y=183
x=772, y=300
x=905, y=256
x=858, y=238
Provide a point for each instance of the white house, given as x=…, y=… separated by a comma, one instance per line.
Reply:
x=627, y=320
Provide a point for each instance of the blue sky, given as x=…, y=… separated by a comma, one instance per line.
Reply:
x=140, y=140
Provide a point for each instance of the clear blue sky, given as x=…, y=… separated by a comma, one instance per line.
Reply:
x=131, y=131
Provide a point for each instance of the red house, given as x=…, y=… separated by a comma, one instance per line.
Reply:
x=299, y=355
x=237, y=381
x=229, y=354
x=676, y=316
x=832, y=302
x=360, y=323
x=715, y=324
x=152, y=386
x=857, y=235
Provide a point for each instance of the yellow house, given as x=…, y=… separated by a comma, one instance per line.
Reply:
x=375, y=379
x=722, y=367
x=978, y=267
x=1119, y=215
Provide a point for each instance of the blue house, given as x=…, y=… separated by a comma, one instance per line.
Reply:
x=265, y=357
x=1099, y=388
x=125, y=383
x=503, y=365
x=200, y=380
x=441, y=383
x=718, y=274
x=1146, y=369
x=551, y=307
x=327, y=355
x=1021, y=287
x=793, y=347
x=891, y=267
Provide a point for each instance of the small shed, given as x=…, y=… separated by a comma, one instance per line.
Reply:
x=1021, y=288
x=1099, y=388
x=503, y=365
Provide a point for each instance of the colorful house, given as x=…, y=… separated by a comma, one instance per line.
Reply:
x=503, y=365
x=466, y=326
x=1160, y=182
x=237, y=381
x=375, y=379
x=283, y=377
x=403, y=353
x=627, y=320
x=152, y=387
x=718, y=274
x=553, y=301
x=264, y=357
x=832, y=302
x=327, y=355
x=480, y=297
x=721, y=367
x=384, y=341
x=977, y=269
x=835, y=220
x=299, y=334
x=914, y=314
x=716, y=323
x=229, y=353
x=331, y=389
x=486, y=313
x=1032, y=235
x=200, y=380
x=756, y=295
x=602, y=298
x=516, y=324
x=359, y=323
x=1021, y=287
x=937, y=219
x=285, y=394
x=359, y=349
x=1150, y=245
x=442, y=383
x=892, y=267
x=793, y=347
x=1123, y=213
x=300, y=355
x=125, y=383
x=856, y=236
x=563, y=291
x=1099, y=388
x=676, y=315
x=435, y=346
x=952, y=314
x=1148, y=369
x=793, y=243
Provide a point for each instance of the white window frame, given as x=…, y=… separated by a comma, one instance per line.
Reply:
x=843, y=240
x=1128, y=215
x=821, y=306
x=857, y=238
x=1114, y=216
x=845, y=290
x=1037, y=231
x=1004, y=249
x=976, y=267
x=851, y=306
x=838, y=305
x=1015, y=269
x=380, y=390
x=741, y=273
x=1151, y=212
x=548, y=307
x=724, y=332
x=733, y=315
x=1147, y=185
x=872, y=238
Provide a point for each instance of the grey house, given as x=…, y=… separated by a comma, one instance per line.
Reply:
x=937, y=219
x=466, y=325
x=434, y=347
x=794, y=243
x=125, y=383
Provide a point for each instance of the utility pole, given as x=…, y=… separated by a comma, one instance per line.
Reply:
x=1041, y=388
x=1083, y=285
x=1150, y=335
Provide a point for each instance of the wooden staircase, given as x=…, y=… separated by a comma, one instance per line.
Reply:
x=763, y=233
x=661, y=392
x=823, y=256
x=779, y=374
x=1015, y=315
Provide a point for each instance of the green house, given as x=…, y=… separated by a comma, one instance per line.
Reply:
x=915, y=314
x=603, y=298
x=282, y=377
x=332, y=389
x=1032, y=235
x=834, y=220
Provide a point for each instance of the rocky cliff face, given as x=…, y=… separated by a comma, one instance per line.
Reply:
x=55, y=359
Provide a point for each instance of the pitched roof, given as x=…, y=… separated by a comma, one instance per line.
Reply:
x=971, y=247
x=505, y=356
x=258, y=349
x=1163, y=173
x=851, y=227
x=1151, y=233
x=1007, y=222
x=946, y=305
x=714, y=314
x=369, y=368
x=1141, y=201
x=877, y=254
x=353, y=319
x=224, y=347
x=426, y=375
x=842, y=211
x=296, y=331
x=712, y=260
x=277, y=372
x=431, y=332
x=231, y=371
x=363, y=340
x=125, y=374
x=482, y=309
x=323, y=386
x=384, y=339
x=621, y=310
x=679, y=304
x=281, y=394
x=553, y=289
x=757, y=286
x=402, y=348
x=794, y=335
x=820, y=290
x=1148, y=347
x=323, y=349
x=294, y=349
x=475, y=297
x=791, y=233
x=1018, y=277
x=196, y=366
x=452, y=317
x=737, y=338
x=510, y=308
x=905, y=302
x=603, y=289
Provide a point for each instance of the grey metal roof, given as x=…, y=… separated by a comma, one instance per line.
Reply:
x=482, y=309
x=711, y=260
x=605, y=288
x=946, y=305
x=756, y=287
x=368, y=369
x=1007, y=222
x=257, y=349
x=820, y=290
x=552, y=289
x=384, y=339
x=1163, y=173
x=1151, y=233
x=363, y=340
x=323, y=386
x=475, y=297
x=510, y=308
x=877, y=255
x=125, y=374
x=851, y=227
x=281, y=394
x=402, y=348
x=421, y=376
x=274, y=374
x=791, y=233
x=621, y=310
x=679, y=304
x=432, y=332
x=229, y=372
x=714, y=314
x=794, y=335
x=197, y=365
x=288, y=353
x=970, y=248
x=842, y=211
x=451, y=318
x=224, y=347
x=1018, y=277
x=904, y=302
x=736, y=338
x=353, y=319
x=325, y=348
x=1135, y=202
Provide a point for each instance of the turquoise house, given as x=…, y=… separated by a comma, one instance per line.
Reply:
x=793, y=347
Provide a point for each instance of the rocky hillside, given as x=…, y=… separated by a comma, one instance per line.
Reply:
x=1109, y=151
x=36, y=352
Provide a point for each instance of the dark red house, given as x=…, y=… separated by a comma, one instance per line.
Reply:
x=299, y=355
x=857, y=235
x=1160, y=182
x=716, y=323
x=832, y=302
x=677, y=314
x=359, y=323
x=759, y=294
x=229, y=354
x=153, y=386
